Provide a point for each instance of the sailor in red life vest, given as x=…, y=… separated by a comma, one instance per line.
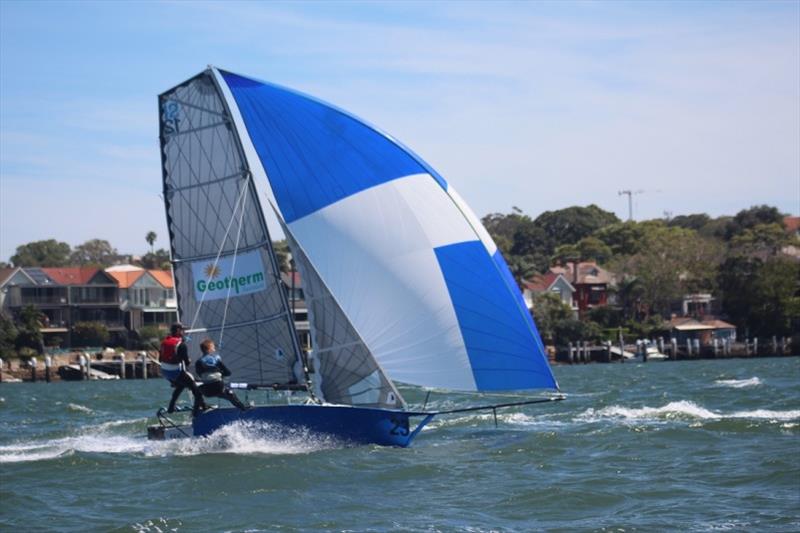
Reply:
x=174, y=358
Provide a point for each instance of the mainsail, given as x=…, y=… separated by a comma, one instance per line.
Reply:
x=398, y=253
x=226, y=277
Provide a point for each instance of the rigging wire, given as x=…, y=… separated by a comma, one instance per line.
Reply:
x=233, y=268
x=239, y=200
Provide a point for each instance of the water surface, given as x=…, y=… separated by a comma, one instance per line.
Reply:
x=694, y=445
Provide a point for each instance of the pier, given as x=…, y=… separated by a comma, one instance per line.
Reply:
x=582, y=352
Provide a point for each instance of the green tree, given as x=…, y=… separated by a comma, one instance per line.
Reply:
x=695, y=222
x=749, y=218
x=549, y=311
x=761, y=296
x=49, y=253
x=8, y=337
x=761, y=239
x=573, y=330
x=570, y=225
x=281, y=249
x=670, y=263
x=158, y=260
x=151, y=238
x=89, y=334
x=97, y=252
x=29, y=325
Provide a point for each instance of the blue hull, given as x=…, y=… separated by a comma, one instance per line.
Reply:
x=356, y=425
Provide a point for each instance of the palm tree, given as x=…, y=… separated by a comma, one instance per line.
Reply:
x=151, y=238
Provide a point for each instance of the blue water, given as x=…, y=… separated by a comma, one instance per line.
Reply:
x=695, y=446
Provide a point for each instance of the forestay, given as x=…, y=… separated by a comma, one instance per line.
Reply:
x=226, y=277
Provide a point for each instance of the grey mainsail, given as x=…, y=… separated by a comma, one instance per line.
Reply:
x=226, y=276
x=346, y=372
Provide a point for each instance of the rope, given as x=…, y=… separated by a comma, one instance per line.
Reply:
x=233, y=269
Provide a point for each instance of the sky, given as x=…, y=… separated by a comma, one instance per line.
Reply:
x=536, y=105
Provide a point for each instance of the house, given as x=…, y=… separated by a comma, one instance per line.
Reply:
x=549, y=282
x=590, y=281
x=9, y=278
x=296, y=296
x=65, y=296
x=698, y=304
x=146, y=297
x=683, y=328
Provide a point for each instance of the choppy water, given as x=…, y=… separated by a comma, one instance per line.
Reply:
x=709, y=445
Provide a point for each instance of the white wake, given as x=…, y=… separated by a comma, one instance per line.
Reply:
x=244, y=438
x=683, y=409
x=739, y=383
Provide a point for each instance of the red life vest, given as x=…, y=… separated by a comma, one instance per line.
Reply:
x=169, y=350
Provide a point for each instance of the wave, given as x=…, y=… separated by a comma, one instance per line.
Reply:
x=739, y=383
x=245, y=438
x=78, y=408
x=681, y=410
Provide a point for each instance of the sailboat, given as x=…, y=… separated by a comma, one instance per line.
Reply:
x=401, y=280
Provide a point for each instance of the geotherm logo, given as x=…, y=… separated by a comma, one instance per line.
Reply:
x=229, y=278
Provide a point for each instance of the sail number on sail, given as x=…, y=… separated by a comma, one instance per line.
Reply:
x=227, y=277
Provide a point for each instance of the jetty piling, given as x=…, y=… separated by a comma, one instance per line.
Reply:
x=122, y=366
x=143, y=356
x=33, y=369
x=48, y=363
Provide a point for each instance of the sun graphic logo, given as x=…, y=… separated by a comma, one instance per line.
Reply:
x=212, y=271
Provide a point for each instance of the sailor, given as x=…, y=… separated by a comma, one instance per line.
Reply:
x=174, y=358
x=211, y=370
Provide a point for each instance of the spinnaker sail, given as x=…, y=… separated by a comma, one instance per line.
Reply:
x=402, y=255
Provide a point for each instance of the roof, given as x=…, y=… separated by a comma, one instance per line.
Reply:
x=5, y=274
x=691, y=324
x=543, y=282
x=71, y=275
x=588, y=273
x=125, y=278
x=164, y=277
x=287, y=279
x=791, y=224
x=718, y=324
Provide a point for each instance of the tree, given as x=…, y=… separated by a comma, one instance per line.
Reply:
x=281, y=249
x=8, y=337
x=96, y=252
x=695, y=222
x=548, y=312
x=49, y=253
x=158, y=260
x=89, y=334
x=29, y=325
x=761, y=296
x=670, y=263
x=570, y=225
x=761, y=239
x=749, y=218
x=151, y=238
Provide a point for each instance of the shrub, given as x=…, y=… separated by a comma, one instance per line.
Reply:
x=89, y=334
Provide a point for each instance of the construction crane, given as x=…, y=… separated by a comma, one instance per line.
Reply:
x=630, y=194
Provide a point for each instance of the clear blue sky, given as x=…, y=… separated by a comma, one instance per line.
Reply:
x=530, y=104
